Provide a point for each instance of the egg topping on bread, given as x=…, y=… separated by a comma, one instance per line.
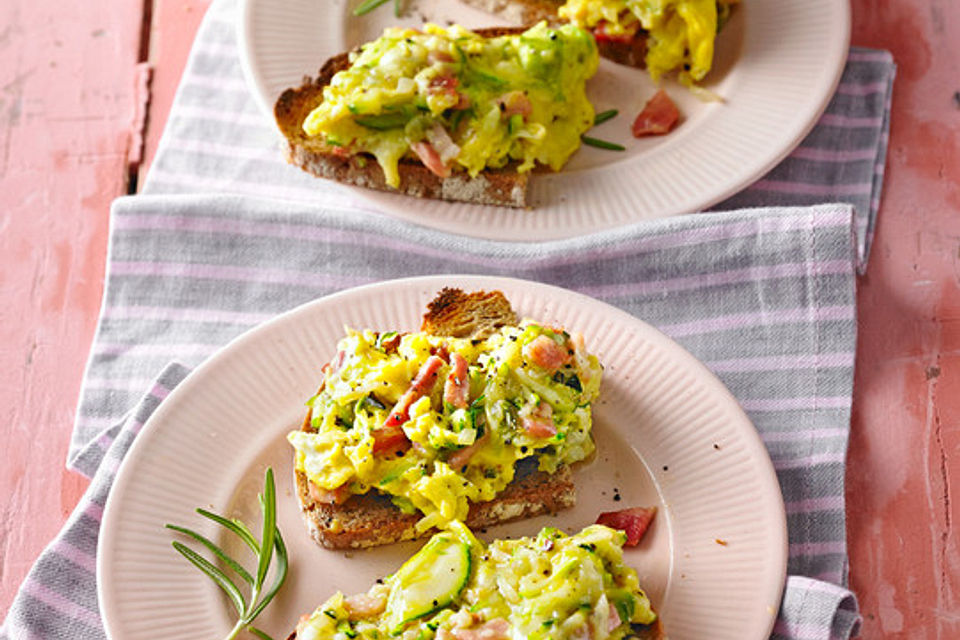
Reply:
x=681, y=32
x=460, y=102
x=437, y=422
x=551, y=586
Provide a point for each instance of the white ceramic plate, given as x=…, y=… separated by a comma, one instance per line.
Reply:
x=777, y=65
x=668, y=434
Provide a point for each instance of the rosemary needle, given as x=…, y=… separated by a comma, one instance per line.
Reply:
x=602, y=144
x=603, y=116
x=265, y=549
x=367, y=6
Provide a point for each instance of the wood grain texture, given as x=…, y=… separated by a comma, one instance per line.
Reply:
x=173, y=25
x=66, y=104
x=904, y=459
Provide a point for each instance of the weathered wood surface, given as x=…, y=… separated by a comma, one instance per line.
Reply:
x=68, y=102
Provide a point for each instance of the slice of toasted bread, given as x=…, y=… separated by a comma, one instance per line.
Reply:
x=371, y=519
x=474, y=316
x=503, y=187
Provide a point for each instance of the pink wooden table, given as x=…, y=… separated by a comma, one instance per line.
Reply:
x=75, y=119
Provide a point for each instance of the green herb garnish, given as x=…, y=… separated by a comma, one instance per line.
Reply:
x=384, y=121
x=271, y=544
x=602, y=144
x=603, y=116
x=369, y=5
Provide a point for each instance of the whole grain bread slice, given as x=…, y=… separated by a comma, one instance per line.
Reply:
x=503, y=186
x=371, y=519
x=455, y=314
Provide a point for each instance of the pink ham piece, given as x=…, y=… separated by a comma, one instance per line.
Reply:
x=442, y=143
x=634, y=522
x=389, y=439
x=613, y=620
x=659, y=116
x=461, y=457
x=545, y=353
x=362, y=606
x=456, y=390
x=539, y=422
x=498, y=629
x=515, y=102
x=390, y=436
x=329, y=496
x=430, y=158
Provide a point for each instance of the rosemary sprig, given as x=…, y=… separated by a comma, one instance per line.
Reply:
x=271, y=545
x=603, y=116
x=602, y=144
x=367, y=6
x=600, y=118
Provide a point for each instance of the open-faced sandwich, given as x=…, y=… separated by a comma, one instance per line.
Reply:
x=661, y=35
x=457, y=588
x=445, y=113
x=477, y=417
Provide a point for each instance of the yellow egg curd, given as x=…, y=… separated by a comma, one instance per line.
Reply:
x=552, y=586
x=459, y=101
x=435, y=444
x=681, y=33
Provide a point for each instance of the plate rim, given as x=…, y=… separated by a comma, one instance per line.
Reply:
x=124, y=473
x=482, y=221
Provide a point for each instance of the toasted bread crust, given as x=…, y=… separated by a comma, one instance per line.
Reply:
x=474, y=316
x=503, y=186
x=371, y=519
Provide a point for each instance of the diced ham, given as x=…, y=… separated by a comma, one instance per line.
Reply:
x=539, y=422
x=582, y=633
x=634, y=522
x=601, y=34
x=441, y=352
x=440, y=56
x=613, y=620
x=422, y=384
x=329, y=496
x=460, y=457
x=389, y=440
x=498, y=629
x=390, y=344
x=456, y=390
x=444, y=81
x=363, y=606
x=441, y=141
x=340, y=151
x=426, y=377
x=544, y=352
x=514, y=102
x=659, y=116
x=580, y=355
x=430, y=158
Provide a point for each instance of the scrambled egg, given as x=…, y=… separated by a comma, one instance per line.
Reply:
x=524, y=391
x=551, y=586
x=681, y=32
x=476, y=102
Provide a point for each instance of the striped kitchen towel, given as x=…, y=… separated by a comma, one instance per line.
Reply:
x=764, y=297
x=218, y=141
